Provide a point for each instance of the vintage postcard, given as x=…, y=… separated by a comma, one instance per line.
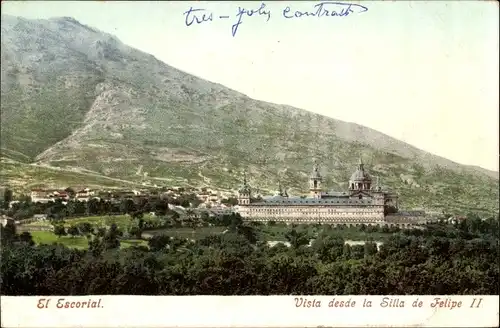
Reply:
x=249, y=164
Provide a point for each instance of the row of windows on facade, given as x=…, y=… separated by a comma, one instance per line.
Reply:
x=280, y=211
x=323, y=201
x=348, y=220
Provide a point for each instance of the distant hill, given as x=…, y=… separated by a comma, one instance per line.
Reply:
x=77, y=98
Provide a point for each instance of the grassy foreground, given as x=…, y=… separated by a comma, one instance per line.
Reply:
x=123, y=222
x=79, y=242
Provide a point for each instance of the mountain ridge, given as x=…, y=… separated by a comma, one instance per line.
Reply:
x=113, y=109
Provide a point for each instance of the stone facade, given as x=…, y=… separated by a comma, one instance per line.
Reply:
x=362, y=203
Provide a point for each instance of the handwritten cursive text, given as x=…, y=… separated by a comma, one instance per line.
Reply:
x=328, y=9
x=321, y=9
x=203, y=16
x=249, y=12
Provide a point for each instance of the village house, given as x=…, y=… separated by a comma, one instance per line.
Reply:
x=47, y=195
x=221, y=209
x=208, y=196
x=213, y=198
x=63, y=195
x=85, y=192
x=40, y=195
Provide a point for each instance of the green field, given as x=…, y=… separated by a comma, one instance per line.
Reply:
x=197, y=233
x=122, y=221
x=48, y=237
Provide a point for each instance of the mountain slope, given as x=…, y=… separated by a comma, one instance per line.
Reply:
x=78, y=98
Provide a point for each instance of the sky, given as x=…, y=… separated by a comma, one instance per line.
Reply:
x=424, y=72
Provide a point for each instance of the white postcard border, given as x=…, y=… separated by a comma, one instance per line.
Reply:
x=249, y=311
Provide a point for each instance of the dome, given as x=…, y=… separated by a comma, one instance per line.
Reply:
x=360, y=174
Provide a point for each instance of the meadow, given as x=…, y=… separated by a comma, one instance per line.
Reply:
x=270, y=232
x=185, y=232
x=78, y=242
x=123, y=222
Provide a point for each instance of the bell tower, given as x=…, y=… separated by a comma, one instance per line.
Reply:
x=315, y=182
x=244, y=194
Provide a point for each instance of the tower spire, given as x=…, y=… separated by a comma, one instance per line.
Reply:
x=244, y=193
x=315, y=166
x=360, y=164
x=377, y=187
x=315, y=181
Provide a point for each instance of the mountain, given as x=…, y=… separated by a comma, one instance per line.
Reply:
x=75, y=99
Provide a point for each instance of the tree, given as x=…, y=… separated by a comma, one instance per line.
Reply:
x=59, y=230
x=329, y=248
x=127, y=206
x=99, y=232
x=135, y=231
x=96, y=247
x=92, y=207
x=235, y=221
x=159, y=206
x=370, y=248
x=111, y=239
x=137, y=214
x=73, y=231
x=297, y=239
x=248, y=232
x=158, y=242
x=7, y=198
x=85, y=228
x=439, y=260
x=26, y=238
x=71, y=208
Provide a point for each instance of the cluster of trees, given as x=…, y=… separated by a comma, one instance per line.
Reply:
x=74, y=208
x=105, y=205
x=137, y=226
x=442, y=259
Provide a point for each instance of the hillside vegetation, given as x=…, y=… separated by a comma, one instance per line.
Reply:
x=76, y=98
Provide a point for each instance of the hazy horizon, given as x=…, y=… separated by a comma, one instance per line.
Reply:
x=447, y=78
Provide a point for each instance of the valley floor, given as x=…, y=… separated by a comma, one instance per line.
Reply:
x=269, y=233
